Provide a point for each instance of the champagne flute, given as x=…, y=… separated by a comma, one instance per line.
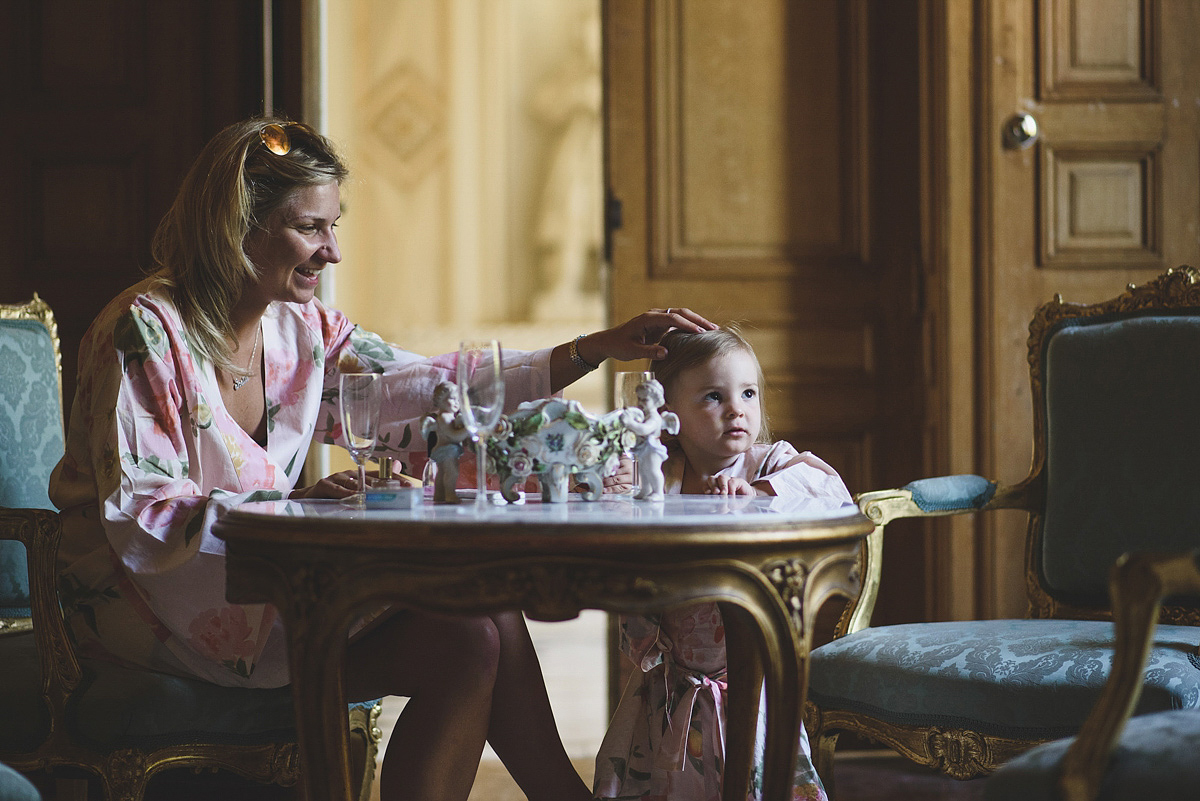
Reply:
x=360, y=396
x=481, y=400
x=625, y=384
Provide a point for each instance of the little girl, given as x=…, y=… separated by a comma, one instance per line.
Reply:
x=665, y=742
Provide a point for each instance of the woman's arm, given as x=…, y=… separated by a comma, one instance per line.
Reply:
x=637, y=338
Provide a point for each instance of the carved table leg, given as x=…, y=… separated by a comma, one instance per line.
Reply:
x=316, y=632
x=745, y=685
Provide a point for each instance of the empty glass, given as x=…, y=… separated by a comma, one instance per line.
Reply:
x=625, y=384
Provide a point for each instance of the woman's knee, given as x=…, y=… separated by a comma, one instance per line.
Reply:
x=469, y=644
x=416, y=652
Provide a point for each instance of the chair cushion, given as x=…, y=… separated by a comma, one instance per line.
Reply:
x=1121, y=469
x=120, y=707
x=944, y=493
x=1027, y=679
x=15, y=787
x=1156, y=757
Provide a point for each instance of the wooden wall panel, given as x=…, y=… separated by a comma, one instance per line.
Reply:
x=1098, y=49
x=1100, y=206
x=734, y=136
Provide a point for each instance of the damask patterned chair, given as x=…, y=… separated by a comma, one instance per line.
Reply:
x=74, y=717
x=1115, y=469
x=1114, y=757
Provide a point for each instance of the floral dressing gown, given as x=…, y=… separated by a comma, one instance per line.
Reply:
x=153, y=459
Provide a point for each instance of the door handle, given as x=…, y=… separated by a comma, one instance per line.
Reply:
x=1020, y=131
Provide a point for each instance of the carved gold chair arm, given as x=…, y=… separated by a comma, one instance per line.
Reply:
x=927, y=497
x=1138, y=585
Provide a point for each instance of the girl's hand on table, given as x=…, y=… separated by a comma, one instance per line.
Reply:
x=728, y=485
x=622, y=480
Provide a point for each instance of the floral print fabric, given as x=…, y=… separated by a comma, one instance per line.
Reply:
x=666, y=740
x=153, y=459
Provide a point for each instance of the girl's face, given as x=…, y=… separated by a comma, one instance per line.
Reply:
x=296, y=245
x=719, y=409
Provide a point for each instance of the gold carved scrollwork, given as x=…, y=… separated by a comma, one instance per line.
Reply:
x=958, y=753
x=313, y=582
x=551, y=592
x=285, y=765
x=790, y=577
x=126, y=772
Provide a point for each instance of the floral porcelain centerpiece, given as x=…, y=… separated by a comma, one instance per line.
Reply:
x=555, y=439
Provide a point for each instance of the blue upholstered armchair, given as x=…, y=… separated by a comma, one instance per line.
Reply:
x=73, y=716
x=1115, y=469
x=1114, y=758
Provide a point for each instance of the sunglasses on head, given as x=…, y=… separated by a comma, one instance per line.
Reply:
x=275, y=136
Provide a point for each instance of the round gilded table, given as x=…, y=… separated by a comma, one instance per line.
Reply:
x=771, y=562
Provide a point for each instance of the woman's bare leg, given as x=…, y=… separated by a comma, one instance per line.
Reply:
x=523, y=732
x=446, y=666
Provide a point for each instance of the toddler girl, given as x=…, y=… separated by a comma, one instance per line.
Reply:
x=665, y=742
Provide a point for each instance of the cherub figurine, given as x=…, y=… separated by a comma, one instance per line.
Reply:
x=447, y=424
x=645, y=421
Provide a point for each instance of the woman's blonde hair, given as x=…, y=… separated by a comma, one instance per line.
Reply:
x=231, y=189
x=686, y=350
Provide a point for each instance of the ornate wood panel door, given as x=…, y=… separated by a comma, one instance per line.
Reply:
x=1106, y=194
x=765, y=159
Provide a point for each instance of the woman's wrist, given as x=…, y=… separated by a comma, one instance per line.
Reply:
x=585, y=353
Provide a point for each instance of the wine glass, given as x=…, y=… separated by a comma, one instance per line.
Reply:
x=360, y=395
x=625, y=384
x=481, y=400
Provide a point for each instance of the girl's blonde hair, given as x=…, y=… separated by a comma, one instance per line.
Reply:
x=686, y=350
x=231, y=189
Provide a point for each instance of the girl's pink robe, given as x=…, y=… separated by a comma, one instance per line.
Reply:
x=666, y=740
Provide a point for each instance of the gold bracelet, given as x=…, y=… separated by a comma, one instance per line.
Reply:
x=576, y=359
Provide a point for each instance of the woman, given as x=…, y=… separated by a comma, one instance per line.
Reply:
x=202, y=386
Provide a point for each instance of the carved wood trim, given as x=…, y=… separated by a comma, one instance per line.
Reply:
x=1065, y=240
x=959, y=753
x=1062, y=77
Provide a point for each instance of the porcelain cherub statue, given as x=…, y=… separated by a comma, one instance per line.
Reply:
x=446, y=422
x=647, y=423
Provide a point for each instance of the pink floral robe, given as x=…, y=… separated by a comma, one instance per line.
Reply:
x=153, y=459
x=666, y=740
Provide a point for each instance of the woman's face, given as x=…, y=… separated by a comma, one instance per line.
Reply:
x=296, y=245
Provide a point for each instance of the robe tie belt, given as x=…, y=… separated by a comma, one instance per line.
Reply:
x=672, y=750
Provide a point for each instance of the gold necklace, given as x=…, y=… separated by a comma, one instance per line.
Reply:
x=238, y=383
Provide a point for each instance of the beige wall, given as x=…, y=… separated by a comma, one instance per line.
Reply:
x=452, y=114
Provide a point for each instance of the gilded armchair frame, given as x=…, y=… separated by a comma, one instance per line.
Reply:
x=963, y=753
x=124, y=774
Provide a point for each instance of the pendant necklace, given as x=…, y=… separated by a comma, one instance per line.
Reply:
x=238, y=383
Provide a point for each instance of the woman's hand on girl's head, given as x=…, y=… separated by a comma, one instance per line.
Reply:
x=638, y=338
x=728, y=485
x=338, y=485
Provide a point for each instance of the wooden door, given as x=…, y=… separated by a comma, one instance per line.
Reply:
x=1106, y=194
x=765, y=160
x=105, y=106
